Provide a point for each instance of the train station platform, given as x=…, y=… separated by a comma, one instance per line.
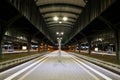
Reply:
x=17, y=51
x=58, y=66
x=99, y=52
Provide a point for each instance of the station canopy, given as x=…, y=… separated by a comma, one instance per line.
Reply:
x=60, y=16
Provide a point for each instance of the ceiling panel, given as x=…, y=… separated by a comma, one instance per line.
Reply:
x=74, y=2
x=60, y=15
x=62, y=8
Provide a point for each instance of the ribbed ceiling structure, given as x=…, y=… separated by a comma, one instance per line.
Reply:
x=60, y=15
x=46, y=20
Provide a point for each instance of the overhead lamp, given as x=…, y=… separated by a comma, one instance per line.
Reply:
x=62, y=33
x=21, y=37
x=55, y=18
x=65, y=18
x=59, y=38
x=100, y=39
x=60, y=22
x=57, y=33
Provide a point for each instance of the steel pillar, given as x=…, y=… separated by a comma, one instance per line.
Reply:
x=89, y=39
x=38, y=46
x=2, y=32
x=29, y=38
x=79, y=46
x=118, y=44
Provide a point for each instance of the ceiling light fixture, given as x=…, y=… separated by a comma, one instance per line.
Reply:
x=57, y=32
x=62, y=33
x=60, y=22
x=65, y=18
x=55, y=18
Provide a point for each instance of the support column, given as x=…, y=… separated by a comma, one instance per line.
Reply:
x=70, y=47
x=79, y=46
x=59, y=43
x=89, y=45
x=43, y=47
x=74, y=47
x=117, y=35
x=1, y=48
x=117, y=44
x=2, y=32
x=59, y=47
x=38, y=46
x=29, y=38
x=46, y=47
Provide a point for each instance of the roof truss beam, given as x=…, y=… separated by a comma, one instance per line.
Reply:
x=60, y=4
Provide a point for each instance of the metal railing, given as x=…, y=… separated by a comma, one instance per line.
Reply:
x=13, y=62
x=105, y=64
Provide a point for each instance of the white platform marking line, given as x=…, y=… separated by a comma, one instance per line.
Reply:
x=95, y=77
x=21, y=71
x=99, y=73
x=31, y=70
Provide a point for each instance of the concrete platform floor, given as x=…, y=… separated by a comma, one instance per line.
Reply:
x=58, y=66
